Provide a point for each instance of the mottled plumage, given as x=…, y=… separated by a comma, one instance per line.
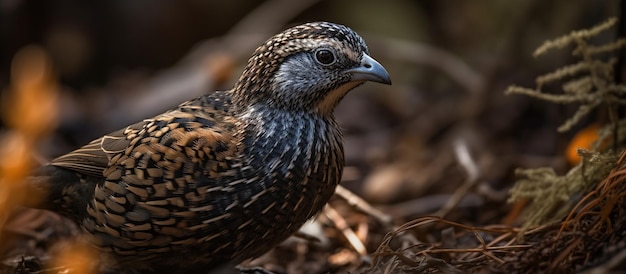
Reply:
x=226, y=176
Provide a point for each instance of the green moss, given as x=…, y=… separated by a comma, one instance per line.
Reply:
x=589, y=83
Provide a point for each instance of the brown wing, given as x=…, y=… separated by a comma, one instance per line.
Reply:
x=158, y=178
x=93, y=158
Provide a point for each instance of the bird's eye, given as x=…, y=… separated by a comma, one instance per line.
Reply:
x=325, y=56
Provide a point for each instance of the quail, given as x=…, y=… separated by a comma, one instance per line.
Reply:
x=223, y=177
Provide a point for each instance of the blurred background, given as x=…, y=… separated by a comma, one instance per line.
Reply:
x=116, y=62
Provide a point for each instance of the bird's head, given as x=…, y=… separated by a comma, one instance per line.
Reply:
x=308, y=68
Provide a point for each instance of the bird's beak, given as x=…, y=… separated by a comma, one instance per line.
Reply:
x=370, y=70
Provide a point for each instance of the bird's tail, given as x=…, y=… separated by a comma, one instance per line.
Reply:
x=60, y=190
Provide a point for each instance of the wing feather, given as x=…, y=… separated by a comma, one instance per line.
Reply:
x=93, y=158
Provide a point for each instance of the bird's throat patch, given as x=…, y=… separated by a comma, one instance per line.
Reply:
x=326, y=106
